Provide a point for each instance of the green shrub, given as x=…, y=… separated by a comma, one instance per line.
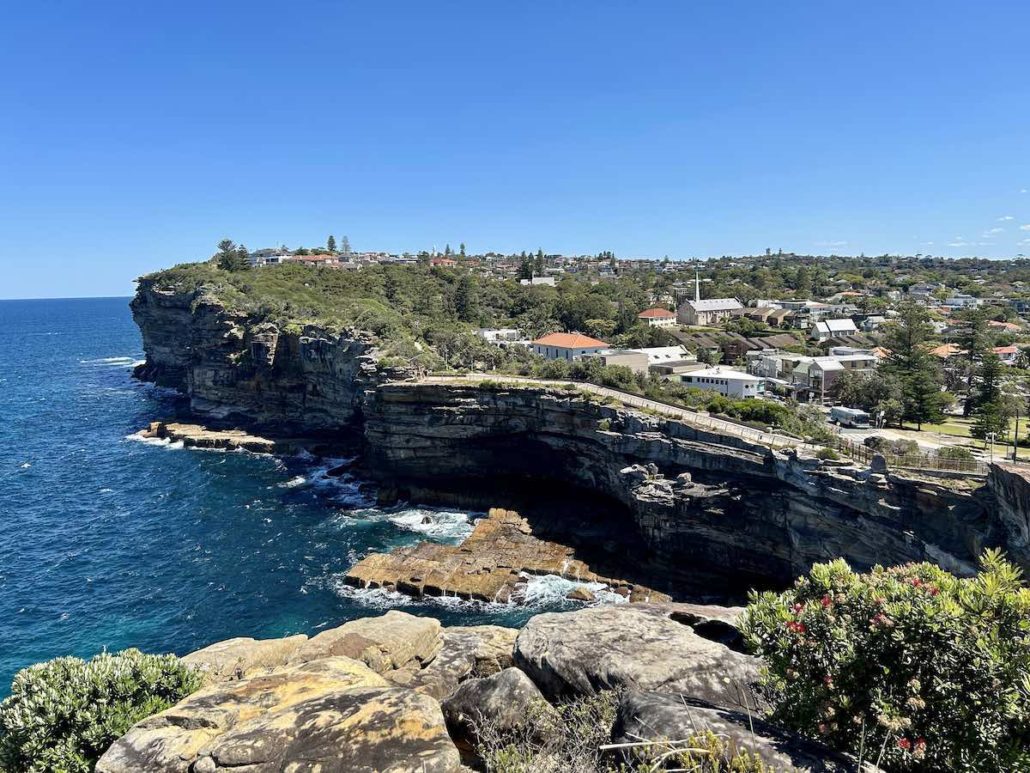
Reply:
x=827, y=453
x=62, y=715
x=911, y=664
x=955, y=453
x=604, y=425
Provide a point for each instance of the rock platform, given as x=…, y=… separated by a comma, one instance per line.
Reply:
x=490, y=565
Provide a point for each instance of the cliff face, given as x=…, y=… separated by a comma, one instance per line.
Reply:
x=704, y=504
x=234, y=367
x=686, y=504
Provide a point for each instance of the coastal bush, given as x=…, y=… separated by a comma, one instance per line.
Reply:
x=570, y=738
x=63, y=714
x=908, y=666
x=827, y=454
x=955, y=453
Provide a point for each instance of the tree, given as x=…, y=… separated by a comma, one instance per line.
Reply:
x=465, y=299
x=232, y=258
x=991, y=414
x=461, y=249
x=911, y=364
x=330, y=244
x=345, y=246
x=538, y=263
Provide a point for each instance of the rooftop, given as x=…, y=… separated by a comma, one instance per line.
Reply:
x=570, y=341
x=656, y=313
x=716, y=304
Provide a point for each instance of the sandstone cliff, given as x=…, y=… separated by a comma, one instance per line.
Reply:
x=704, y=504
x=687, y=506
x=235, y=366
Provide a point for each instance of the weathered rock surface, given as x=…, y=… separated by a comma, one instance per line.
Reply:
x=301, y=379
x=382, y=643
x=172, y=740
x=466, y=652
x=197, y=436
x=583, y=652
x=649, y=716
x=242, y=657
x=507, y=700
x=362, y=730
x=704, y=504
x=488, y=566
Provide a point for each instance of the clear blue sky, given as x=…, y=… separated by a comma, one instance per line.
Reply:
x=134, y=135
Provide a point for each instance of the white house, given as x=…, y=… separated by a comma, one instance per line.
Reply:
x=657, y=317
x=731, y=383
x=497, y=335
x=538, y=280
x=566, y=346
x=831, y=328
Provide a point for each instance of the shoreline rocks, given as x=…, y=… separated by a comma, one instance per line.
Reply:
x=403, y=694
x=198, y=436
x=490, y=565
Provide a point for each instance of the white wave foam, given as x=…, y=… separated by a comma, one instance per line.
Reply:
x=298, y=480
x=163, y=442
x=113, y=362
x=550, y=591
x=440, y=525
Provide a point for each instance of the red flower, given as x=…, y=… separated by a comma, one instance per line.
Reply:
x=828, y=680
x=799, y=608
x=904, y=744
x=920, y=744
x=826, y=602
x=916, y=582
x=933, y=589
x=796, y=627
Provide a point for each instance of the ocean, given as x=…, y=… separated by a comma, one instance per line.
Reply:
x=108, y=542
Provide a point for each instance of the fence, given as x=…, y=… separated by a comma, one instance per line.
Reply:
x=911, y=461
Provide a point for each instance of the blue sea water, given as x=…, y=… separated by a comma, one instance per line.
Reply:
x=108, y=542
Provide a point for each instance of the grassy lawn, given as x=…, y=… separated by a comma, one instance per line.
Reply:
x=959, y=427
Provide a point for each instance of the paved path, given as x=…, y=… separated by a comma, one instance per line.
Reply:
x=703, y=420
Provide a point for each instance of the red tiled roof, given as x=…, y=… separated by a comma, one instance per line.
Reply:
x=655, y=313
x=1006, y=349
x=312, y=258
x=570, y=341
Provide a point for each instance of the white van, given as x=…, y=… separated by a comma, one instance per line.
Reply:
x=849, y=417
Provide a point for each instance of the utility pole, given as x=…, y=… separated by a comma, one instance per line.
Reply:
x=1015, y=439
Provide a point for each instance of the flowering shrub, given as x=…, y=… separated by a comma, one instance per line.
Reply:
x=62, y=715
x=910, y=666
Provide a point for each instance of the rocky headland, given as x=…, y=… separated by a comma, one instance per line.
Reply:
x=661, y=502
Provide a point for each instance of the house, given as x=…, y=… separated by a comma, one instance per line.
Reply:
x=566, y=346
x=832, y=328
x=1005, y=327
x=710, y=311
x=1007, y=354
x=315, y=260
x=538, y=280
x=635, y=361
x=817, y=375
x=873, y=323
x=443, y=262
x=962, y=301
x=727, y=382
x=657, y=317
x=498, y=335
x=946, y=351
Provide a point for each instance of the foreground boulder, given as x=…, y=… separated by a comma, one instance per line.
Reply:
x=465, y=652
x=363, y=730
x=242, y=657
x=505, y=701
x=584, y=652
x=172, y=740
x=649, y=716
x=383, y=643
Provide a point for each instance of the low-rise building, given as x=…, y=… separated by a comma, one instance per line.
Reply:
x=566, y=346
x=657, y=317
x=635, y=361
x=710, y=311
x=538, y=280
x=498, y=335
x=832, y=328
x=727, y=382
